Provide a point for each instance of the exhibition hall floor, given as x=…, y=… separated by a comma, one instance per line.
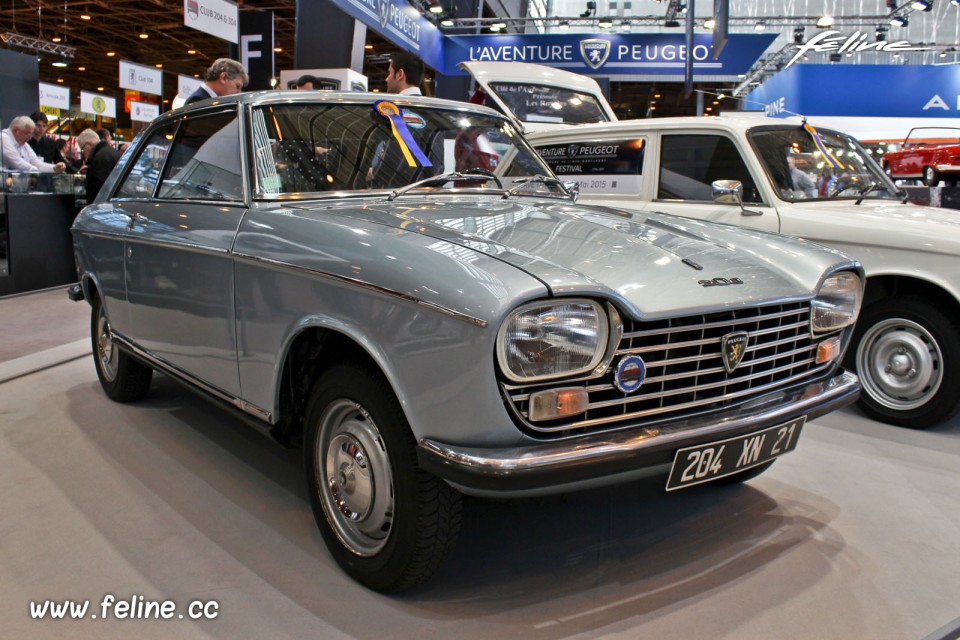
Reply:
x=854, y=535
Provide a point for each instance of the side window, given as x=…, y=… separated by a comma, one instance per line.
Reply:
x=614, y=166
x=205, y=160
x=689, y=164
x=145, y=173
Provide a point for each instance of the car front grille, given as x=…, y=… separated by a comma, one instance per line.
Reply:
x=685, y=373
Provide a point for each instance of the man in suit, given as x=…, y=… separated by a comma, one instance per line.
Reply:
x=100, y=157
x=224, y=77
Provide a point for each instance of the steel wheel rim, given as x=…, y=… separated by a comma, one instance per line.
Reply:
x=900, y=364
x=355, y=479
x=928, y=174
x=107, y=354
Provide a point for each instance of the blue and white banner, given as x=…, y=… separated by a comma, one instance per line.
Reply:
x=927, y=91
x=609, y=54
x=400, y=23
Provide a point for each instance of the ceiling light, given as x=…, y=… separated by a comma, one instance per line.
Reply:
x=564, y=25
x=81, y=68
x=825, y=21
x=56, y=39
x=446, y=22
x=193, y=52
x=159, y=65
x=278, y=49
x=60, y=80
x=85, y=16
x=60, y=63
x=110, y=54
x=144, y=35
x=436, y=9
x=99, y=88
x=656, y=95
x=604, y=23
x=495, y=28
x=709, y=23
x=922, y=5
x=498, y=25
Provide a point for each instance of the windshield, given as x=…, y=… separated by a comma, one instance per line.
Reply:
x=800, y=170
x=540, y=103
x=306, y=148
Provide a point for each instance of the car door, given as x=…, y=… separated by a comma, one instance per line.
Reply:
x=179, y=269
x=689, y=163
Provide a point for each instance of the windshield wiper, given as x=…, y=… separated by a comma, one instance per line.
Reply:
x=452, y=176
x=873, y=186
x=547, y=180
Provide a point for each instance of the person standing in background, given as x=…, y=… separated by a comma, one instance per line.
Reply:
x=43, y=145
x=224, y=77
x=100, y=159
x=18, y=155
x=405, y=74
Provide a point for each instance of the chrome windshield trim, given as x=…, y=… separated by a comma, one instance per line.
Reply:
x=177, y=372
x=365, y=285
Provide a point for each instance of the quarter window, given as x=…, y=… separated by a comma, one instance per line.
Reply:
x=145, y=173
x=205, y=160
x=689, y=164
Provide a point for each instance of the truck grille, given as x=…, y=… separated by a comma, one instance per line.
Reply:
x=685, y=373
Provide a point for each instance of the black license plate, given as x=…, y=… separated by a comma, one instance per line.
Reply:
x=706, y=462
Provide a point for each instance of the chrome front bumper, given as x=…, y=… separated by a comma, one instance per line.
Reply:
x=613, y=456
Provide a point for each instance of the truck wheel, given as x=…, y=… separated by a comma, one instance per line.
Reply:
x=930, y=177
x=906, y=352
x=123, y=378
x=387, y=523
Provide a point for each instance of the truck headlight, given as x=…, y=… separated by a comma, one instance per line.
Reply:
x=550, y=339
x=837, y=303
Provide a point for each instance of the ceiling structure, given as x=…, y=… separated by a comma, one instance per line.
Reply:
x=119, y=26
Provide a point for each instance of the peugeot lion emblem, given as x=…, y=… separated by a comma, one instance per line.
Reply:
x=384, y=11
x=594, y=52
x=732, y=347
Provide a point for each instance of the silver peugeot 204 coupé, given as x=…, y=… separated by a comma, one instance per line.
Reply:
x=404, y=289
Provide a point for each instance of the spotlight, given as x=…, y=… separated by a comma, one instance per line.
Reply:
x=446, y=22
x=604, y=23
x=899, y=21
x=825, y=21
x=835, y=57
x=881, y=33
x=436, y=9
x=626, y=26
x=563, y=26
x=59, y=63
x=760, y=26
x=798, y=34
x=497, y=26
x=710, y=24
x=922, y=5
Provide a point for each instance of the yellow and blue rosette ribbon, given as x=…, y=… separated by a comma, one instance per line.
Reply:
x=822, y=147
x=401, y=133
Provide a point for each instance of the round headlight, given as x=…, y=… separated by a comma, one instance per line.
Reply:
x=551, y=339
x=837, y=303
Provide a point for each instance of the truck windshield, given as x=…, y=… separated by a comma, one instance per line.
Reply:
x=802, y=167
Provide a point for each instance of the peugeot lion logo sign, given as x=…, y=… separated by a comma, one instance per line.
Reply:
x=384, y=12
x=732, y=347
x=595, y=52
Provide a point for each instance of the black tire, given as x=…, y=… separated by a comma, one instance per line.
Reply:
x=123, y=378
x=388, y=524
x=906, y=352
x=931, y=177
x=743, y=476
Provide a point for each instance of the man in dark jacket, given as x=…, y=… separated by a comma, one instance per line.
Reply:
x=43, y=145
x=224, y=77
x=100, y=159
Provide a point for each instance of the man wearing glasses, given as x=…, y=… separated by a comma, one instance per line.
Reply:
x=17, y=154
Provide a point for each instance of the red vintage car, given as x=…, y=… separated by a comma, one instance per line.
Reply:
x=930, y=154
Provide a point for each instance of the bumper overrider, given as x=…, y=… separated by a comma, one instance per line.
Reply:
x=609, y=457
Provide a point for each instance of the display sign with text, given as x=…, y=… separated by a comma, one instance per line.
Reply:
x=98, y=104
x=143, y=111
x=138, y=77
x=55, y=96
x=219, y=18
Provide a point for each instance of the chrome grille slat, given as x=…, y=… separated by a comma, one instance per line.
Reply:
x=684, y=367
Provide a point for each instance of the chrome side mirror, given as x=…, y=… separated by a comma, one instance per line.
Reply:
x=728, y=192
x=573, y=188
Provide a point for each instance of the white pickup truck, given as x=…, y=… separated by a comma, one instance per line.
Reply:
x=777, y=175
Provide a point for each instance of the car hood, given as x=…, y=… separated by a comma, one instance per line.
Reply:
x=654, y=264
x=886, y=224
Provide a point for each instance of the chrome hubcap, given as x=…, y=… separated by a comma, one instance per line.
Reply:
x=356, y=488
x=107, y=353
x=900, y=364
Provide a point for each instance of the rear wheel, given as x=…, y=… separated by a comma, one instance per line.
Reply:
x=930, y=177
x=906, y=352
x=123, y=379
x=387, y=523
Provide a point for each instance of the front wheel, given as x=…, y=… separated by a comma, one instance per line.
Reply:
x=123, y=379
x=387, y=523
x=906, y=352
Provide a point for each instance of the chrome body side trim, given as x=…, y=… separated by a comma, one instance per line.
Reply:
x=361, y=283
x=539, y=467
x=179, y=373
